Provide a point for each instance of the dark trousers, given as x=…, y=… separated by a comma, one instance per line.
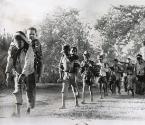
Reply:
x=140, y=85
x=31, y=90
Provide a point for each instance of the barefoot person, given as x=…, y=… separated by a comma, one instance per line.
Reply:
x=87, y=75
x=20, y=63
x=66, y=66
x=130, y=71
x=75, y=58
x=118, y=75
x=103, y=76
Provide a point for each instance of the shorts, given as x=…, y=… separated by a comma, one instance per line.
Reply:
x=68, y=79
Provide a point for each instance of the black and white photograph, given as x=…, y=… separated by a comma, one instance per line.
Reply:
x=72, y=62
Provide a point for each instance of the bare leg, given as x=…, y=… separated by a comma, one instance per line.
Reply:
x=64, y=93
x=19, y=100
x=63, y=101
x=83, y=93
x=111, y=87
x=101, y=87
x=77, y=88
x=76, y=98
x=91, y=93
x=119, y=86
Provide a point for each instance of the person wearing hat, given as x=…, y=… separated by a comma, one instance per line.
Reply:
x=20, y=63
x=67, y=75
x=87, y=75
x=140, y=73
x=103, y=76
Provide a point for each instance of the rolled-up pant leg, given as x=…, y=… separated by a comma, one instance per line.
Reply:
x=64, y=91
x=65, y=87
x=76, y=83
x=65, y=84
x=118, y=84
x=31, y=90
x=18, y=93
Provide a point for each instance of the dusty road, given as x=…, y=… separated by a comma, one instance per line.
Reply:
x=118, y=107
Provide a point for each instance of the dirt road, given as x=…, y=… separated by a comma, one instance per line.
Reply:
x=118, y=107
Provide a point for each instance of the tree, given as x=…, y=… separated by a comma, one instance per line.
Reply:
x=5, y=40
x=62, y=27
x=122, y=26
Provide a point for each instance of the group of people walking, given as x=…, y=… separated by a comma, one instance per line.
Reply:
x=24, y=63
x=108, y=77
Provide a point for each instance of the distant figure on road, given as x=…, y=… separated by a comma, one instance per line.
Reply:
x=103, y=83
x=117, y=68
x=130, y=79
x=75, y=59
x=87, y=75
x=140, y=73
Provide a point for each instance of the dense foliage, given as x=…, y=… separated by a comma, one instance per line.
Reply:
x=62, y=27
x=5, y=40
x=122, y=30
